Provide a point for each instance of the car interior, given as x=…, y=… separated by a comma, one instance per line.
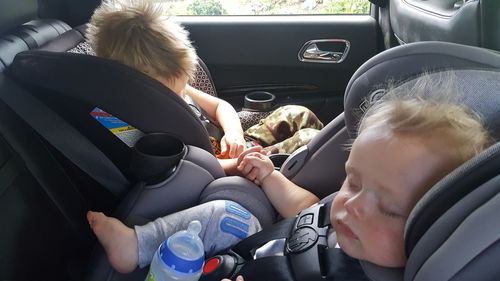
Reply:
x=58, y=161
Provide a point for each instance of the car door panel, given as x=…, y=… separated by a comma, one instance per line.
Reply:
x=249, y=53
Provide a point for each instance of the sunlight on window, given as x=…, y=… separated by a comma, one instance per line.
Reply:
x=264, y=7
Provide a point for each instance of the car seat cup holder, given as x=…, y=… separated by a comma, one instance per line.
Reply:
x=259, y=101
x=155, y=157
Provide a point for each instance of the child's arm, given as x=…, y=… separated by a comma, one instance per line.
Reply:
x=224, y=113
x=288, y=198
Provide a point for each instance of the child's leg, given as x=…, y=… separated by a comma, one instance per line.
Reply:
x=283, y=123
x=224, y=223
x=300, y=138
x=118, y=240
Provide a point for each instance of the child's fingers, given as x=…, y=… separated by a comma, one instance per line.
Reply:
x=248, y=151
x=223, y=146
x=252, y=175
x=245, y=168
x=236, y=149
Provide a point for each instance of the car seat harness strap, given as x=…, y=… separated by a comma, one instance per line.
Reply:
x=305, y=254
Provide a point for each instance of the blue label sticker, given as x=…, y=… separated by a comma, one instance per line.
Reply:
x=107, y=120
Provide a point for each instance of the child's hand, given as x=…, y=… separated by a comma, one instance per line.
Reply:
x=255, y=166
x=232, y=145
x=248, y=151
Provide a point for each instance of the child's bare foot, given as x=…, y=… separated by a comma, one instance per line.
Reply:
x=118, y=240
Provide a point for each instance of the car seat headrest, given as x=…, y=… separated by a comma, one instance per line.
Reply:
x=454, y=230
x=128, y=94
x=476, y=71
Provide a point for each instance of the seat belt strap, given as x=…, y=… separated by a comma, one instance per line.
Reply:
x=275, y=268
x=306, y=254
x=73, y=145
x=276, y=231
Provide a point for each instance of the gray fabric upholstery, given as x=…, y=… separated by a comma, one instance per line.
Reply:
x=322, y=171
x=450, y=190
x=460, y=236
x=403, y=62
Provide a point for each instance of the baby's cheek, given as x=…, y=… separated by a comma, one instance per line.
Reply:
x=388, y=247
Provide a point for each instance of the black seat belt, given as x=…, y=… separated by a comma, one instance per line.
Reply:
x=306, y=256
x=71, y=143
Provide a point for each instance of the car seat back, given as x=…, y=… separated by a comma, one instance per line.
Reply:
x=465, y=22
x=87, y=82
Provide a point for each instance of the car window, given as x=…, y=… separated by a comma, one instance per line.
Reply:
x=264, y=7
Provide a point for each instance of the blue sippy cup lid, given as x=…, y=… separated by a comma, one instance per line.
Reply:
x=191, y=258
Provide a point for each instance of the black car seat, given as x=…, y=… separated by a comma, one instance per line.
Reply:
x=85, y=82
x=74, y=42
x=468, y=22
x=202, y=81
x=45, y=193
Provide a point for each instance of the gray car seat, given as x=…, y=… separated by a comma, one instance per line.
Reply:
x=439, y=215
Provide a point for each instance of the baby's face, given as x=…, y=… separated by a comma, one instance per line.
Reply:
x=386, y=175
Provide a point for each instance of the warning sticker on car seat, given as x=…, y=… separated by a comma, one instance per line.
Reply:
x=126, y=133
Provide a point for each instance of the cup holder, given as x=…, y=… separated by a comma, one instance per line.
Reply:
x=259, y=101
x=278, y=159
x=155, y=157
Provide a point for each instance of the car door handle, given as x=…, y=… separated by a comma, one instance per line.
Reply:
x=310, y=52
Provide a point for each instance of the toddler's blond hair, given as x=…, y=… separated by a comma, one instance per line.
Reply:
x=136, y=34
x=425, y=110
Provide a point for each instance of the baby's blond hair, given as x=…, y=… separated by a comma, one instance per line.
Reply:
x=425, y=110
x=136, y=34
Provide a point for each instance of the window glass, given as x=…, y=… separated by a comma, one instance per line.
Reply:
x=264, y=7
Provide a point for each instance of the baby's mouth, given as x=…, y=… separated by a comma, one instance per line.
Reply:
x=345, y=230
